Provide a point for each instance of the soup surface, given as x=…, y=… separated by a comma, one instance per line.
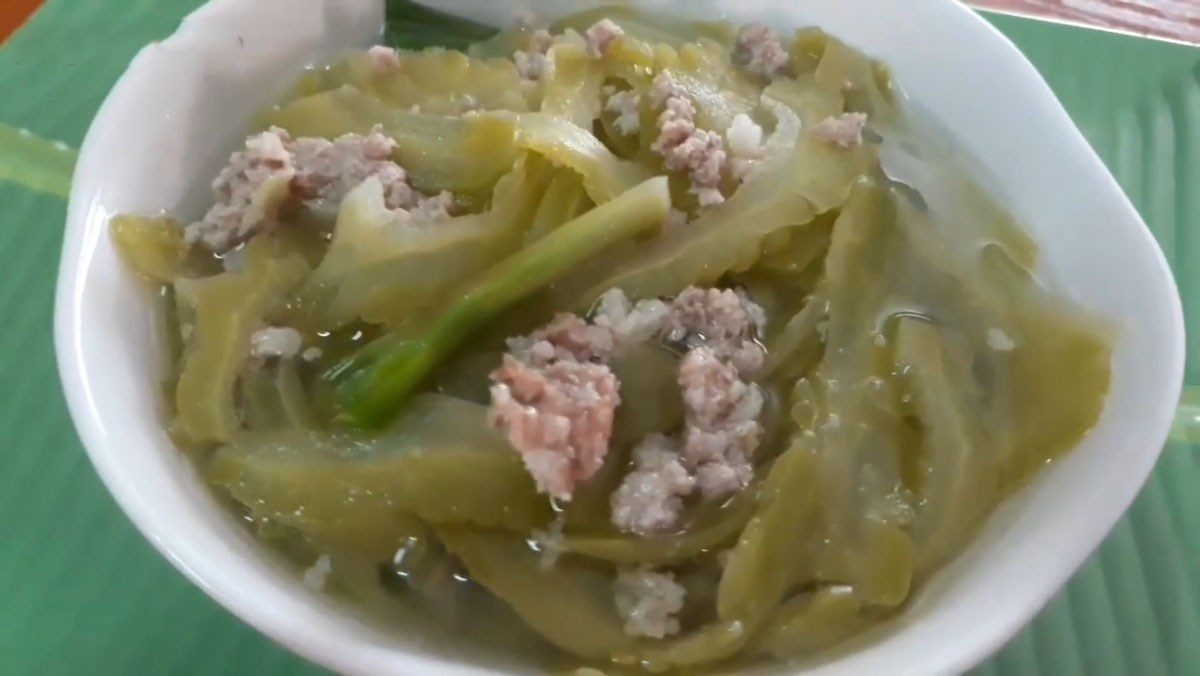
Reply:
x=620, y=342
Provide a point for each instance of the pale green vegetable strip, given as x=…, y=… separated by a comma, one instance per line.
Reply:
x=807, y=400
x=799, y=337
x=441, y=462
x=324, y=508
x=714, y=243
x=804, y=248
x=860, y=438
x=889, y=565
x=953, y=499
x=460, y=154
x=809, y=98
x=260, y=404
x=572, y=86
x=228, y=309
x=511, y=204
x=604, y=174
x=712, y=643
x=503, y=44
x=435, y=81
x=457, y=154
x=822, y=172
x=34, y=162
x=719, y=89
x=701, y=68
x=868, y=91
x=775, y=551
x=1058, y=349
x=382, y=267
x=274, y=397
x=799, y=178
x=636, y=63
x=698, y=537
x=563, y=200
x=651, y=402
x=812, y=622
x=370, y=393
x=450, y=484
x=292, y=398
x=153, y=247
x=808, y=46
x=570, y=605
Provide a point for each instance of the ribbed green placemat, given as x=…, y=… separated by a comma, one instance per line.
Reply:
x=81, y=592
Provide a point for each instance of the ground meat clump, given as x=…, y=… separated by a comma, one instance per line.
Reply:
x=722, y=430
x=663, y=88
x=600, y=35
x=327, y=170
x=532, y=61
x=649, y=602
x=845, y=130
x=559, y=415
x=384, y=59
x=723, y=320
x=683, y=146
x=555, y=397
x=274, y=170
x=625, y=105
x=759, y=51
x=713, y=454
x=650, y=499
x=567, y=337
x=702, y=154
x=676, y=124
x=250, y=191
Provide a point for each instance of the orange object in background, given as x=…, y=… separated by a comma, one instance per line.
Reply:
x=14, y=13
x=1174, y=20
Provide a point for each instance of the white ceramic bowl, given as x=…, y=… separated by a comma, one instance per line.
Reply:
x=183, y=105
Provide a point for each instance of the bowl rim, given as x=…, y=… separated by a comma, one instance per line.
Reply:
x=311, y=645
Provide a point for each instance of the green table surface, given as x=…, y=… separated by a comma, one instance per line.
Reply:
x=81, y=592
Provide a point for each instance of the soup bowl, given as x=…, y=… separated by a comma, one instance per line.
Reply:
x=186, y=102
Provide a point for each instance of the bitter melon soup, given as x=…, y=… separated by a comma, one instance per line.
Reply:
x=616, y=342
